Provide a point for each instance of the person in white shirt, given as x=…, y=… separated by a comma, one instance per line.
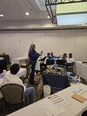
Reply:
x=12, y=77
x=37, y=67
x=70, y=63
x=64, y=57
x=70, y=59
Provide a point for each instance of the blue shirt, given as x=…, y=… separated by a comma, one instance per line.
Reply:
x=33, y=56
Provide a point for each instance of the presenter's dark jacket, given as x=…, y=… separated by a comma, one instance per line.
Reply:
x=33, y=56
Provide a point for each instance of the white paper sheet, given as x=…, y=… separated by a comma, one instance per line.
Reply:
x=54, y=105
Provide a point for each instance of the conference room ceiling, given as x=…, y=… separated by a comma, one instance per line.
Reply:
x=13, y=14
x=15, y=10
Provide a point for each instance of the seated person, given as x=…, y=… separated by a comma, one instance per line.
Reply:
x=47, y=57
x=70, y=59
x=43, y=65
x=12, y=77
x=70, y=63
x=53, y=56
x=64, y=57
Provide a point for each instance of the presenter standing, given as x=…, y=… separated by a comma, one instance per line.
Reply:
x=33, y=56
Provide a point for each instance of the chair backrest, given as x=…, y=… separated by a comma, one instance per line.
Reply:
x=43, y=67
x=12, y=93
x=61, y=62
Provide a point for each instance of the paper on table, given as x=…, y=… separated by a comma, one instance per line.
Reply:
x=51, y=113
x=58, y=101
x=53, y=106
x=82, y=92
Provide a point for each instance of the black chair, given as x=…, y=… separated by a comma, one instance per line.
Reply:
x=69, y=67
x=43, y=67
x=84, y=113
x=56, y=82
x=61, y=62
x=13, y=97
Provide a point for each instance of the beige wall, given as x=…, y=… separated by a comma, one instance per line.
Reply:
x=16, y=44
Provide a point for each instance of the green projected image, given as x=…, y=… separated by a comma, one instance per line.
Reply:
x=72, y=13
x=71, y=8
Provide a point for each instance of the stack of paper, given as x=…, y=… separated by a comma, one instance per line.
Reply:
x=80, y=95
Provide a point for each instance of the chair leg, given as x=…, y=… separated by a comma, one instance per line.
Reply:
x=26, y=101
x=4, y=109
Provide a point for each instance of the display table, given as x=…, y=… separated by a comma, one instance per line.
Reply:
x=81, y=70
x=74, y=107
x=55, y=80
x=19, y=60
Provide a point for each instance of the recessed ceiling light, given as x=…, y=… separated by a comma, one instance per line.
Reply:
x=48, y=17
x=27, y=13
x=1, y=15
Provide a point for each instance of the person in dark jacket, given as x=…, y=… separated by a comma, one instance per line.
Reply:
x=33, y=56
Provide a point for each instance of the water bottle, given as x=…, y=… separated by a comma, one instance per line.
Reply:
x=79, y=82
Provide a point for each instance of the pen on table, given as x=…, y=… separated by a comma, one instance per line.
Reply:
x=52, y=97
x=59, y=101
x=56, y=99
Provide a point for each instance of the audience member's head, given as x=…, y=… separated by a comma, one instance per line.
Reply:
x=51, y=54
x=70, y=55
x=14, y=68
x=48, y=54
x=64, y=56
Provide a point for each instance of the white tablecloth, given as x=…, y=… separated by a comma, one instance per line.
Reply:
x=75, y=108
x=81, y=70
x=19, y=60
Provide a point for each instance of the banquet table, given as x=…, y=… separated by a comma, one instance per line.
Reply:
x=81, y=70
x=44, y=107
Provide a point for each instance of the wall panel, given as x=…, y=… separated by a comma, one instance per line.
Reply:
x=17, y=44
